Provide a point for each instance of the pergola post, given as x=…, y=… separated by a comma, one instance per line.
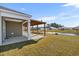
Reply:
x=37, y=28
x=0, y=30
x=29, y=28
x=44, y=30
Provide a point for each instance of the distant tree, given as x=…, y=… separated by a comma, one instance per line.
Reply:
x=56, y=25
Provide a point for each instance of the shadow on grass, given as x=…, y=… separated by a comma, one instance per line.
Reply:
x=16, y=45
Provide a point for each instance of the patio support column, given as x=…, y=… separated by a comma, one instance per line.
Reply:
x=37, y=28
x=44, y=30
x=0, y=30
x=29, y=29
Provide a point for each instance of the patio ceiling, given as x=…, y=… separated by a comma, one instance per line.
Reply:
x=35, y=22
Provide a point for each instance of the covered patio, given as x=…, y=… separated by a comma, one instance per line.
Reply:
x=16, y=30
x=36, y=23
x=16, y=26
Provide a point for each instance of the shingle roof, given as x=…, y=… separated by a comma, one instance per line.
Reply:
x=1, y=7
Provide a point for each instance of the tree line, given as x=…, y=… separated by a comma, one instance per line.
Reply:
x=55, y=25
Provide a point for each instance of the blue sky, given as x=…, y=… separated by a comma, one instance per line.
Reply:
x=62, y=13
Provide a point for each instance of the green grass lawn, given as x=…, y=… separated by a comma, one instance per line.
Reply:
x=65, y=31
x=50, y=45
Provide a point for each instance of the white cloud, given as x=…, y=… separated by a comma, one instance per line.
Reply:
x=69, y=20
x=64, y=16
x=23, y=9
x=61, y=16
x=47, y=19
x=76, y=5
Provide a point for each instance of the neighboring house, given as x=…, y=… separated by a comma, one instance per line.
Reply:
x=64, y=28
x=12, y=24
x=48, y=27
x=76, y=28
x=52, y=28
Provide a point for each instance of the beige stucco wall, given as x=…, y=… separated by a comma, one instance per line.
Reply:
x=0, y=29
x=13, y=29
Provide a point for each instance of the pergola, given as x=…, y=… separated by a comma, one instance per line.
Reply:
x=36, y=23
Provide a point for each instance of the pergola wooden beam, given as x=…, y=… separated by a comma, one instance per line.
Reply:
x=35, y=22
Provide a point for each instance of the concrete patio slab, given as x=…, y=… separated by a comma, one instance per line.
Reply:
x=20, y=39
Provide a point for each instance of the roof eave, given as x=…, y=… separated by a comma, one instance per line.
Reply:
x=1, y=7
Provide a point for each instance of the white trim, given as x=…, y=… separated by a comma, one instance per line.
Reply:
x=7, y=11
x=12, y=15
x=24, y=22
x=14, y=20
